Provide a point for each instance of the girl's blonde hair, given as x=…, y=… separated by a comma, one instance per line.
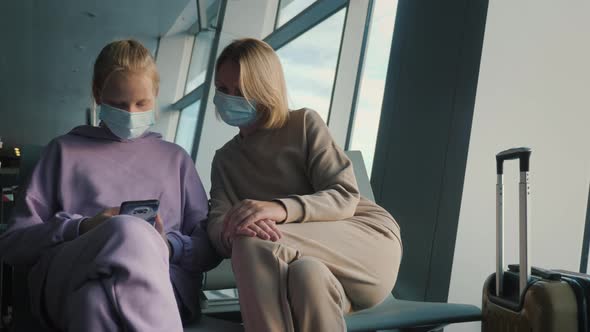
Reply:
x=261, y=78
x=123, y=55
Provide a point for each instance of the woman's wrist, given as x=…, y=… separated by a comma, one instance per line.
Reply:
x=85, y=225
x=284, y=208
x=170, y=249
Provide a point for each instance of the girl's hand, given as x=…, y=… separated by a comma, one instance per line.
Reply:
x=247, y=213
x=88, y=224
x=159, y=225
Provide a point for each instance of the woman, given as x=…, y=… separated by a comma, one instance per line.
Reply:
x=91, y=268
x=306, y=248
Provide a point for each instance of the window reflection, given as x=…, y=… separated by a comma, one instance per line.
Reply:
x=372, y=84
x=309, y=62
x=290, y=8
x=187, y=124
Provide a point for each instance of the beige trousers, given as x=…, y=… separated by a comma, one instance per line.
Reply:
x=314, y=275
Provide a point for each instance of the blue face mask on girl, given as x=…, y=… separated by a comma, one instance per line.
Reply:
x=235, y=111
x=126, y=125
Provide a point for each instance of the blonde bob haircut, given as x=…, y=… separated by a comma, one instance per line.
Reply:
x=261, y=79
x=123, y=55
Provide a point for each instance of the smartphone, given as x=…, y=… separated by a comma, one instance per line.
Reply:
x=146, y=210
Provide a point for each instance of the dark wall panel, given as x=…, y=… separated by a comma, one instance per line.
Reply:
x=424, y=135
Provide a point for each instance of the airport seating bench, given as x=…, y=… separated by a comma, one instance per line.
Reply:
x=392, y=315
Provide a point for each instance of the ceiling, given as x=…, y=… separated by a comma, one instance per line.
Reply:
x=47, y=52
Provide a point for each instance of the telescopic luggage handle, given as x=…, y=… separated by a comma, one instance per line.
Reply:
x=523, y=154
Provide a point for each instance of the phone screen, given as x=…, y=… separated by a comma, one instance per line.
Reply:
x=146, y=210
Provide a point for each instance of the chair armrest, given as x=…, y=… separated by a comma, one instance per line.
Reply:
x=5, y=295
x=360, y=172
x=203, y=300
x=221, y=277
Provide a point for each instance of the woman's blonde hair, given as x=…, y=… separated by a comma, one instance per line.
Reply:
x=123, y=55
x=261, y=78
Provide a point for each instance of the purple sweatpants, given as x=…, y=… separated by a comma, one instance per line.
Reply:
x=115, y=277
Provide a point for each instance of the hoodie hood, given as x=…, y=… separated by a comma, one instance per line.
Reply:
x=102, y=132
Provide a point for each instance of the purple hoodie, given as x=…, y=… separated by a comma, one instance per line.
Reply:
x=90, y=169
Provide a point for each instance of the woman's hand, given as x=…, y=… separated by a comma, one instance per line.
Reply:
x=159, y=225
x=265, y=229
x=88, y=224
x=243, y=217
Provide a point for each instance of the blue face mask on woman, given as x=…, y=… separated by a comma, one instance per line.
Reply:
x=126, y=125
x=235, y=111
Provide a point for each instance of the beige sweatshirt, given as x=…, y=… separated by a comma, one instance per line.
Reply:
x=299, y=165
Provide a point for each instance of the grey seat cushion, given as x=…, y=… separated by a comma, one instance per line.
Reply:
x=214, y=324
x=394, y=313
x=391, y=314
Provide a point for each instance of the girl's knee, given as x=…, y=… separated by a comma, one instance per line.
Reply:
x=130, y=236
x=128, y=225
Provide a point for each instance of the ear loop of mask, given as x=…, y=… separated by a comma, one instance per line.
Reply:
x=94, y=113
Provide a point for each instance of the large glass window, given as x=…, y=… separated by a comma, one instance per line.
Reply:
x=290, y=8
x=200, y=56
x=309, y=62
x=199, y=60
x=202, y=47
x=187, y=124
x=213, y=12
x=372, y=84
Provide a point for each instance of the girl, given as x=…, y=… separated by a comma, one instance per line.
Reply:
x=306, y=248
x=91, y=268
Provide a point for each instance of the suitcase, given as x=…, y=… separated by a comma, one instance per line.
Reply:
x=516, y=300
x=580, y=284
